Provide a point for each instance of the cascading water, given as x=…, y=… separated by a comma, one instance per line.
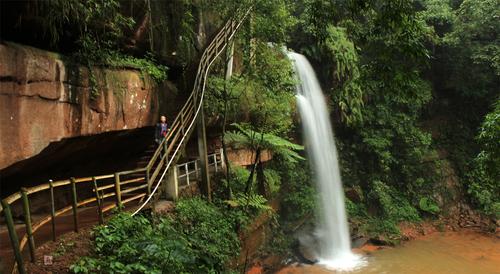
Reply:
x=333, y=232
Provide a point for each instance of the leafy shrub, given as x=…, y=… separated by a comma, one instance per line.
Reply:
x=134, y=245
x=211, y=234
x=273, y=180
x=297, y=192
x=99, y=35
x=239, y=177
x=355, y=210
x=200, y=239
x=379, y=226
x=484, y=181
x=255, y=202
x=392, y=203
x=428, y=205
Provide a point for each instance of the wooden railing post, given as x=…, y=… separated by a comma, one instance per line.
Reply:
x=98, y=200
x=215, y=162
x=182, y=123
x=215, y=47
x=118, y=192
x=148, y=178
x=52, y=210
x=13, y=237
x=196, y=169
x=222, y=160
x=27, y=222
x=187, y=173
x=165, y=152
x=172, y=184
x=74, y=203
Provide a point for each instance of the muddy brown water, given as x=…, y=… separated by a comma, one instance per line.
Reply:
x=439, y=253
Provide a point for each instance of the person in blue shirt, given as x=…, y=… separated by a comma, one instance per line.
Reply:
x=161, y=130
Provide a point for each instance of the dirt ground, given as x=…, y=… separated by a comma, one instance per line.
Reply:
x=65, y=252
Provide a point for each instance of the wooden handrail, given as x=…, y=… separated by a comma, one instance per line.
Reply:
x=214, y=49
x=127, y=172
x=169, y=148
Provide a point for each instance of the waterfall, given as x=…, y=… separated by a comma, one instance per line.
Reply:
x=332, y=228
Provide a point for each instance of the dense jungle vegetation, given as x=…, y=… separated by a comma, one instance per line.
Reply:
x=413, y=87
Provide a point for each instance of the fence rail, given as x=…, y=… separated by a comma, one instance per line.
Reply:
x=185, y=170
x=124, y=186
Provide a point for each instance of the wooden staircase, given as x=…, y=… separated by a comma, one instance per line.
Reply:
x=139, y=185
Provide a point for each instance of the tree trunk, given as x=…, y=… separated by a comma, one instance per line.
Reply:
x=252, y=172
x=261, y=180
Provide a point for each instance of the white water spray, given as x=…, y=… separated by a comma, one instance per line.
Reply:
x=333, y=232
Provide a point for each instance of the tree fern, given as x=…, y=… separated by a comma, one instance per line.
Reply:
x=245, y=137
x=252, y=201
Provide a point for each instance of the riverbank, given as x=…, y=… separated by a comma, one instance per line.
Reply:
x=465, y=251
x=472, y=246
x=409, y=233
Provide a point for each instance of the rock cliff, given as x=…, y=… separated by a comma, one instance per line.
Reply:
x=45, y=98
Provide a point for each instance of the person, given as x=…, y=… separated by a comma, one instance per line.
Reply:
x=161, y=130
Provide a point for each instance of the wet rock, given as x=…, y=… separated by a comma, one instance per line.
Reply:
x=305, y=254
x=380, y=240
x=359, y=242
x=306, y=246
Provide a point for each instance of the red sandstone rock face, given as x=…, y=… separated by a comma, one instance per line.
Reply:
x=245, y=157
x=43, y=100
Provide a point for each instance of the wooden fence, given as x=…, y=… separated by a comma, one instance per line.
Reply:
x=125, y=186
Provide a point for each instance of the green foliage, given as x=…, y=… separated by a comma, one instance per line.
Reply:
x=379, y=226
x=476, y=29
x=174, y=29
x=256, y=203
x=239, y=176
x=428, y=205
x=471, y=50
x=272, y=20
x=342, y=52
x=147, y=65
x=268, y=97
x=273, y=180
x=248, y=138
x=372, y=225
x=100, y=23
x=100, y=35
x=200, y=239
x=376, y=54
x=356, y=211
x=332, y=43
x=484, y=182
x=280, y=243
x=439, y=15
x=266, y=100
x=298, y=199
x=393, y=205
x=218, y=97
x=466, y=66
x=212, y=236
x=62, y=248
x=134, y=245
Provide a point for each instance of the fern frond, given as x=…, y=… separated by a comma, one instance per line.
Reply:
x=253, y=201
